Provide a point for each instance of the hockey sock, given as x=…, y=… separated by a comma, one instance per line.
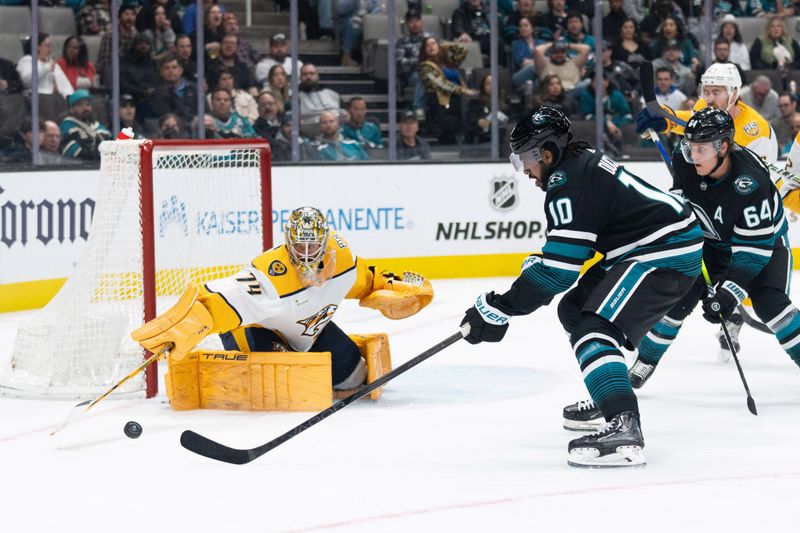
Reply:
x=653, y=346
x=786, y=327
x=605, y=373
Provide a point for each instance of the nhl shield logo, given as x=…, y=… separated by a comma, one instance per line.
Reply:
x=503, y=193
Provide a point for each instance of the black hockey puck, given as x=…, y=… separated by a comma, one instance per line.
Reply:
x=133, y=430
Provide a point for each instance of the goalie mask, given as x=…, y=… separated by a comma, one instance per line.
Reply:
x=306, y=237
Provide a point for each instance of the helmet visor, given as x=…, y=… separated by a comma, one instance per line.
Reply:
x=525, y=159
x=695, y=152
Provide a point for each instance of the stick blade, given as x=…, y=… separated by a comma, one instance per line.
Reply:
x=77, y=412
x=194, y=442
x=751, y=405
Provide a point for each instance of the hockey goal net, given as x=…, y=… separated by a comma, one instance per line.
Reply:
x=167, y=213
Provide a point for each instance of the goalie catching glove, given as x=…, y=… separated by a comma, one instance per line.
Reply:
x=398, y=297
x=179, y=329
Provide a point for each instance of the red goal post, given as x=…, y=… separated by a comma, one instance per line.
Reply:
x=168, y=213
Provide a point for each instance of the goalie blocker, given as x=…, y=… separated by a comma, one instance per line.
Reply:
x=285, y=301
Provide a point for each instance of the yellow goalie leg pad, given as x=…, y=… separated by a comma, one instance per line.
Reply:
x=397, y=297
x=374, y=348
x=258, y=381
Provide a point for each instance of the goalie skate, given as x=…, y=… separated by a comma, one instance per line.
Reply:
x=583, y=416
x=618, y=443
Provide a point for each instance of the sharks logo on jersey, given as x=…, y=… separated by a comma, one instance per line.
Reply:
x=744, y=185
x=318, y=320
x=556, y=179
x=706, y=224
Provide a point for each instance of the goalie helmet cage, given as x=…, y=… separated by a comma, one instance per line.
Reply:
x=214, y=205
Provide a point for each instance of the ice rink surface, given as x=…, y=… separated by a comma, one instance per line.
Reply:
x=470, y=440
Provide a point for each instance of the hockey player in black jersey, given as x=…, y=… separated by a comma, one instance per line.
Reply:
x=652, y=246
x=746, y=246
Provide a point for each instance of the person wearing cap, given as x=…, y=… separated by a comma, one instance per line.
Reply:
x=127, y=115
x=407, y=56
x=138, y=72
x=278, y=55
x=553, y=58
x=126, y=30
x=411, y=146
x=81, y=134
x=729, y=30
x=671, y=59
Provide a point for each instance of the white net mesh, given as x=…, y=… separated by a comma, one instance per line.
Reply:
x=207, y=224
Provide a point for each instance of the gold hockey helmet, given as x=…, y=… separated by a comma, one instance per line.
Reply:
x=306, y=235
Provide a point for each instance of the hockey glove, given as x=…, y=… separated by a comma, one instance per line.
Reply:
x=487, y=323
x=646, y=119
x=722, y=301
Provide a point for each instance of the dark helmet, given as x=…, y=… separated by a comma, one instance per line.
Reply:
x=708, y=125
x=545, y=127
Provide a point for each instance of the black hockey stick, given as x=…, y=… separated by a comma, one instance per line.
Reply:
x=753, y=323
x=214, y=450
x=751, y=404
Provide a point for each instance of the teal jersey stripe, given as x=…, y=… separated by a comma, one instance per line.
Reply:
x=575, y=251
x=550, y=279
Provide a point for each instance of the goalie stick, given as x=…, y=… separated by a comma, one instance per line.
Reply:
x=214, y=450
x=82, y=408
x=648, y=93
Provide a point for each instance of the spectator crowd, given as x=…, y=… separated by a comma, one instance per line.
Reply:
x=547, y=56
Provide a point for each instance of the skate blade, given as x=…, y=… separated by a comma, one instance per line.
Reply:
x=591, y=458
x=723, y=356
x=583, y=425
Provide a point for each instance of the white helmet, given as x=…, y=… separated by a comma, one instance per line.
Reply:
x=724, y=75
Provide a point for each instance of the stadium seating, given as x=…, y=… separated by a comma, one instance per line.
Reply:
x=57, y=20
x=15, y=19
x=11, y=46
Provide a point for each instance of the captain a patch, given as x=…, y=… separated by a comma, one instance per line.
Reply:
x=744, y=185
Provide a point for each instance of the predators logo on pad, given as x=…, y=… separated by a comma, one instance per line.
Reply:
x=318, y=320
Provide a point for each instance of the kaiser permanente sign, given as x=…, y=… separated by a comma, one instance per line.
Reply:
x=457, y=220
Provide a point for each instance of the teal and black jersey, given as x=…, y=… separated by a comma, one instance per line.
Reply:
x=595, y=204
x=741, y=213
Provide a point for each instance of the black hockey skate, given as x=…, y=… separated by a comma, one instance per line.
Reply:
x=583, y=416
x=734, y=324
x=640, y=372
x=618, y=443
